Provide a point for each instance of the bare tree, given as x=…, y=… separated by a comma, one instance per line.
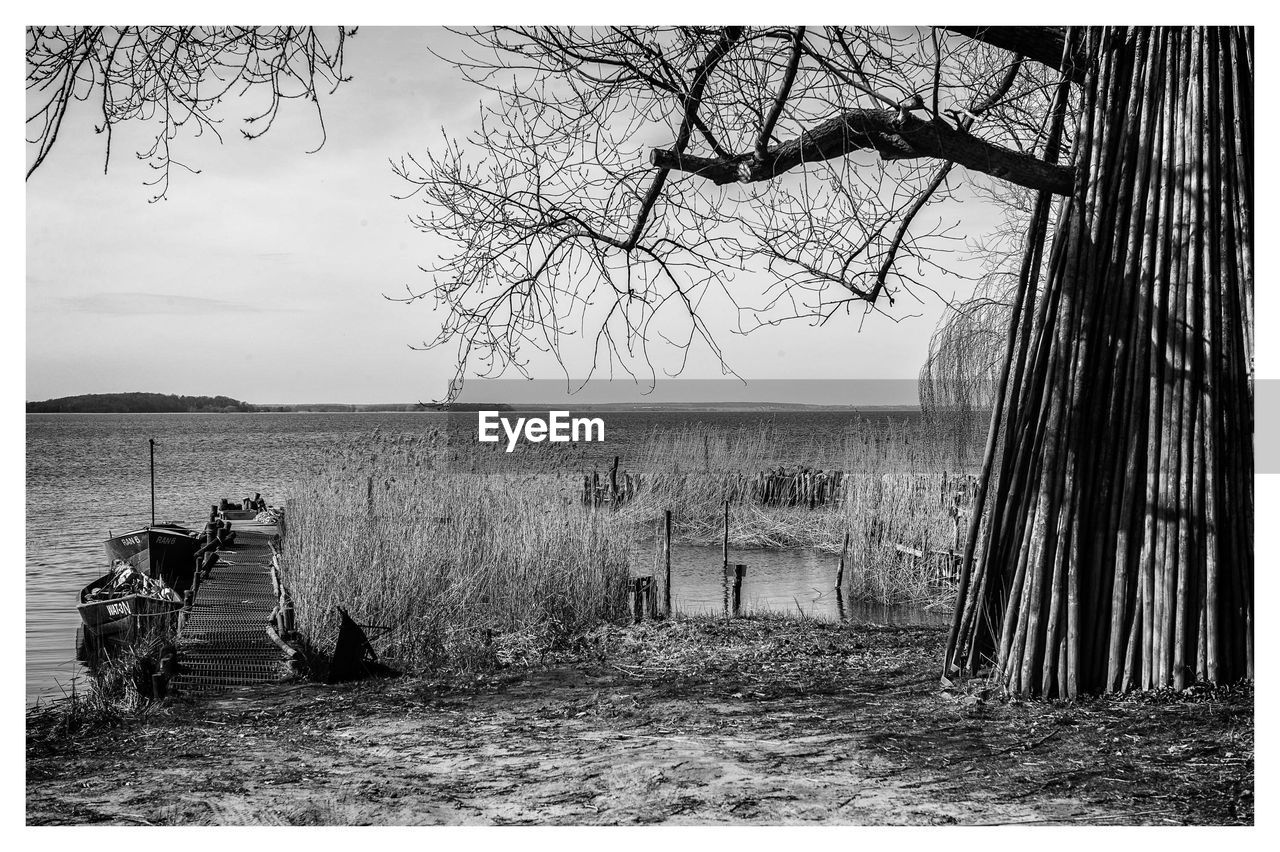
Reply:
x=172, y=77
x=569, y=217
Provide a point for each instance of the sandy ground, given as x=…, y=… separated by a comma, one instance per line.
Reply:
x=697, y=721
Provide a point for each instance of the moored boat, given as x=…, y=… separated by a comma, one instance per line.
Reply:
x=165, y=552
x=125, y=603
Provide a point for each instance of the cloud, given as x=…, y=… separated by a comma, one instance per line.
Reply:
x=153, y=303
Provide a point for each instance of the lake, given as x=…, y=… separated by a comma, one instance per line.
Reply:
x=87, y=475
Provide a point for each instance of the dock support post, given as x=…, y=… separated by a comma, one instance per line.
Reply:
x=739, y=572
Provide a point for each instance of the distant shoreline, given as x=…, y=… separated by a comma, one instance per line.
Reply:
x=675, y=408
x=153, y=403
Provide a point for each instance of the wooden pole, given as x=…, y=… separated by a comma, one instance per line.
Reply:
x=1113, y=549
x=726, y=588
x=637, y=603
x=844, y=554
x=152, y=443
x=739, y=574
x=666, y=557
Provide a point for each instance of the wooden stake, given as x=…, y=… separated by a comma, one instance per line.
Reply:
x=638, y=594
x=739, y=572
x=844, y=554
x=666, y=558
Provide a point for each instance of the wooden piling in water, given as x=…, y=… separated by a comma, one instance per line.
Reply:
x=739, y=572
x=844, y=555
x=644, y=598
x=666, y=555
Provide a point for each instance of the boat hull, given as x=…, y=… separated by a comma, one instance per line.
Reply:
x=161, y=553
x=129, y=617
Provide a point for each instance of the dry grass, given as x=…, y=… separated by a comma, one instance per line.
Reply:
x=453, y=569
x=865, y=445
x=456, y=567
x=110, y=696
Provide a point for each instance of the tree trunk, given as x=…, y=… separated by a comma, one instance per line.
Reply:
x=1115, y=549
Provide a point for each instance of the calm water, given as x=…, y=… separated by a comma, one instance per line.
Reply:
x=792, y=581
x=87, y=474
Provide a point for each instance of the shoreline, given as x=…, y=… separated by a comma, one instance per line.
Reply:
x=691, y=721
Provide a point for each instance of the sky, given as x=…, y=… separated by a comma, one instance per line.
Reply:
x=264, y=276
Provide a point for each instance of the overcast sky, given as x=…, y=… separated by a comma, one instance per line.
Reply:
x=263, y=276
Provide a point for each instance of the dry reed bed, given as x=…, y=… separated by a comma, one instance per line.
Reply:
x=449, y=568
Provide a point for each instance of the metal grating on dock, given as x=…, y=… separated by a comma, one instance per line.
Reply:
x=223, y=644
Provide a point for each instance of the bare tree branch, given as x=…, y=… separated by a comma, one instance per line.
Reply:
x=169, y=77
x=894, y=136
x=563, y=236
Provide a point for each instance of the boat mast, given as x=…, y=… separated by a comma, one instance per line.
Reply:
x=152, y=442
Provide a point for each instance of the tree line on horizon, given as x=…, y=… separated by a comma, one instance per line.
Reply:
x=136, y=403
x=166, y=403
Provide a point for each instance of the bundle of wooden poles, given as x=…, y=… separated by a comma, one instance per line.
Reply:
x=1115, y=548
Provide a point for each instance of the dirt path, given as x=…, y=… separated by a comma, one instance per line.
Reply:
x=698, y=722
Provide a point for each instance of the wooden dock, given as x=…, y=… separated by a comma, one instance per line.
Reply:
x=223, y=643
